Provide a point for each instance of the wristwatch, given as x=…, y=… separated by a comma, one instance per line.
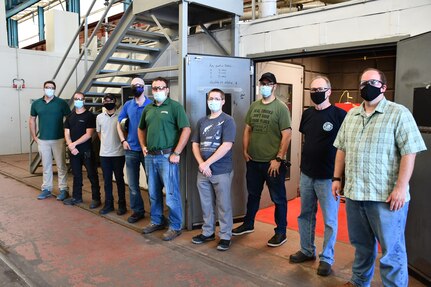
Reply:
x=278, y=159
x=336, y=179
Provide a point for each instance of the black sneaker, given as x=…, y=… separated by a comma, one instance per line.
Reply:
x=135, y=217
x=198, y=239
x=277, y=240
x=324, y=268
x=242, y=229
x=72, y=201
x=106, y=209
x=95, y=203
x=223, y=245
x=300, y=257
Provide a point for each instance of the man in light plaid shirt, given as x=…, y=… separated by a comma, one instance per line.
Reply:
x=377, y=145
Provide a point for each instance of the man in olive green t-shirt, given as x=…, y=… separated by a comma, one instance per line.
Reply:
x=266, y=139
x=50, y=112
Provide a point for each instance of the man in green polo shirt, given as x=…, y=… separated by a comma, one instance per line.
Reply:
x=50, y=111
x=163, y=133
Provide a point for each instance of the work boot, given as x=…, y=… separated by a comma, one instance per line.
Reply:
x=122, y=209
x=107, y=208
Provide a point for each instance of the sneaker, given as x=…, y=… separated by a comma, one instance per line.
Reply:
x=300, y=257
x=106, y=209
x=277, y=240
x=171, y=234
x=63, y=195
x=153, y=227
x=223, y=245
x=136, y=216
x=242, y=229
x=72, y=201
x=198, y=239
x=324, y=269
x=95, y=204
x=44, y=194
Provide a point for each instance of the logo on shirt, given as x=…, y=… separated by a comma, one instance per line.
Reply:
x=328, y=126
x=164, y=112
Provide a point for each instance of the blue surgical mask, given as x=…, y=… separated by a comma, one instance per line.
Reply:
x=265, y=91
x=160, y=97
x=49, y=92
x=78, y=104
x=214, y=106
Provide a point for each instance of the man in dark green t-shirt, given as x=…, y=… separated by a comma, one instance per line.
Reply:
x=50, y=112
x=266, y=139
x=163, y=133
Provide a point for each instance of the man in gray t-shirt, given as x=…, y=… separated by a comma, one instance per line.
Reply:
x=212, y=147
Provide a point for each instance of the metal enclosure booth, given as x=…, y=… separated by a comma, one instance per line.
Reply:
x=234, y=77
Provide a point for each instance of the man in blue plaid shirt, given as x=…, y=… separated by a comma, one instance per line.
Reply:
x=377, y=145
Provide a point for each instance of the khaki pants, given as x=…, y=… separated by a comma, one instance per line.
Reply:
x=47, y=149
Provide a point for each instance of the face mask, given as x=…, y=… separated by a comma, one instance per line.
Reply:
x=265, y=91
x=214, y=106
x=49, y=92
x=78, y=104
x=137, y=91
x=318, y=97
x=160, y=97
x=109, y=106
x=369, y=93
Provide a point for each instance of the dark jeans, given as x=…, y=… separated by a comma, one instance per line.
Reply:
x=114, y=165
x=88, y=160
x=134, y=160
x=257, y=175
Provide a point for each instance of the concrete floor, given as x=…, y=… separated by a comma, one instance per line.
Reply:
x=57, y=245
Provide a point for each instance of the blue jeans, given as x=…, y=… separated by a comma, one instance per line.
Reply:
x=133, y=161
x=257, y=175
x=114, y=165
x=311, y=191
x=214, y=192
x=369, y=222
x=161, y=173
x=86, y=158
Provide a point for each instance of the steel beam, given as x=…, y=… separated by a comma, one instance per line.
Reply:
x=20, y=7
x=41, y=23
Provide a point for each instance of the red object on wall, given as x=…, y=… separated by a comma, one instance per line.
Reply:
x=347, y=106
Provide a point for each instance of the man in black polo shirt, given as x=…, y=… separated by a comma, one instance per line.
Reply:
x=79, y=128
x=50, y=112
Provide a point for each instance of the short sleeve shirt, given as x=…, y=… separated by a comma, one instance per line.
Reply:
x=163, y=124
x=373, y=147
x=78, y=125
x=210, y=134
x=267, y=121
x=50, y=117
x=110, y=144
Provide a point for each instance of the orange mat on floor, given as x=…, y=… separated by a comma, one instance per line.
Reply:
x=266, y=215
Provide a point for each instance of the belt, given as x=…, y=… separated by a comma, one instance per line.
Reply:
x=160, y=152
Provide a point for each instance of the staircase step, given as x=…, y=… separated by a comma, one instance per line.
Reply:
x=107, y=71
x=93, y=105
x=125, y=61
x=109, y=84
x=141, y=34
x=94, y=95
x=136, y=48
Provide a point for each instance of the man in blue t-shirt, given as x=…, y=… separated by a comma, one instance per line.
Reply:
x=132, y=110
x=212, y=147
x=319, y=125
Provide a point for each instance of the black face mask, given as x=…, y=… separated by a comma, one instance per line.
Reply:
x=318, y=97
x=137, y=90
x=369, y=92
x=109, y=106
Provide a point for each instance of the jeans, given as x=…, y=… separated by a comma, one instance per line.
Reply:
x=134, y=159
x=311, y=191
x=161, y=172
x=257, y=175
x=48, y=148
x=113, y=165
x=87, y=159
x=215, y=190
x=369, y=222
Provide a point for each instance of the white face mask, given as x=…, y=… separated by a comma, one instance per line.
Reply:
x=214, y=106
x=160, y=97
x=49, y=92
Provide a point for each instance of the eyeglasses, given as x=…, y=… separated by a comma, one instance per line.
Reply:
x=50, y=88
x=215, y=99
x=78, y=99
x=319, y=89
x=158, y=88
x=267, y=84
x=372, y=82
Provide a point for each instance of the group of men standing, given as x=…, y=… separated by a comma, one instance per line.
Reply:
x=373, y=147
